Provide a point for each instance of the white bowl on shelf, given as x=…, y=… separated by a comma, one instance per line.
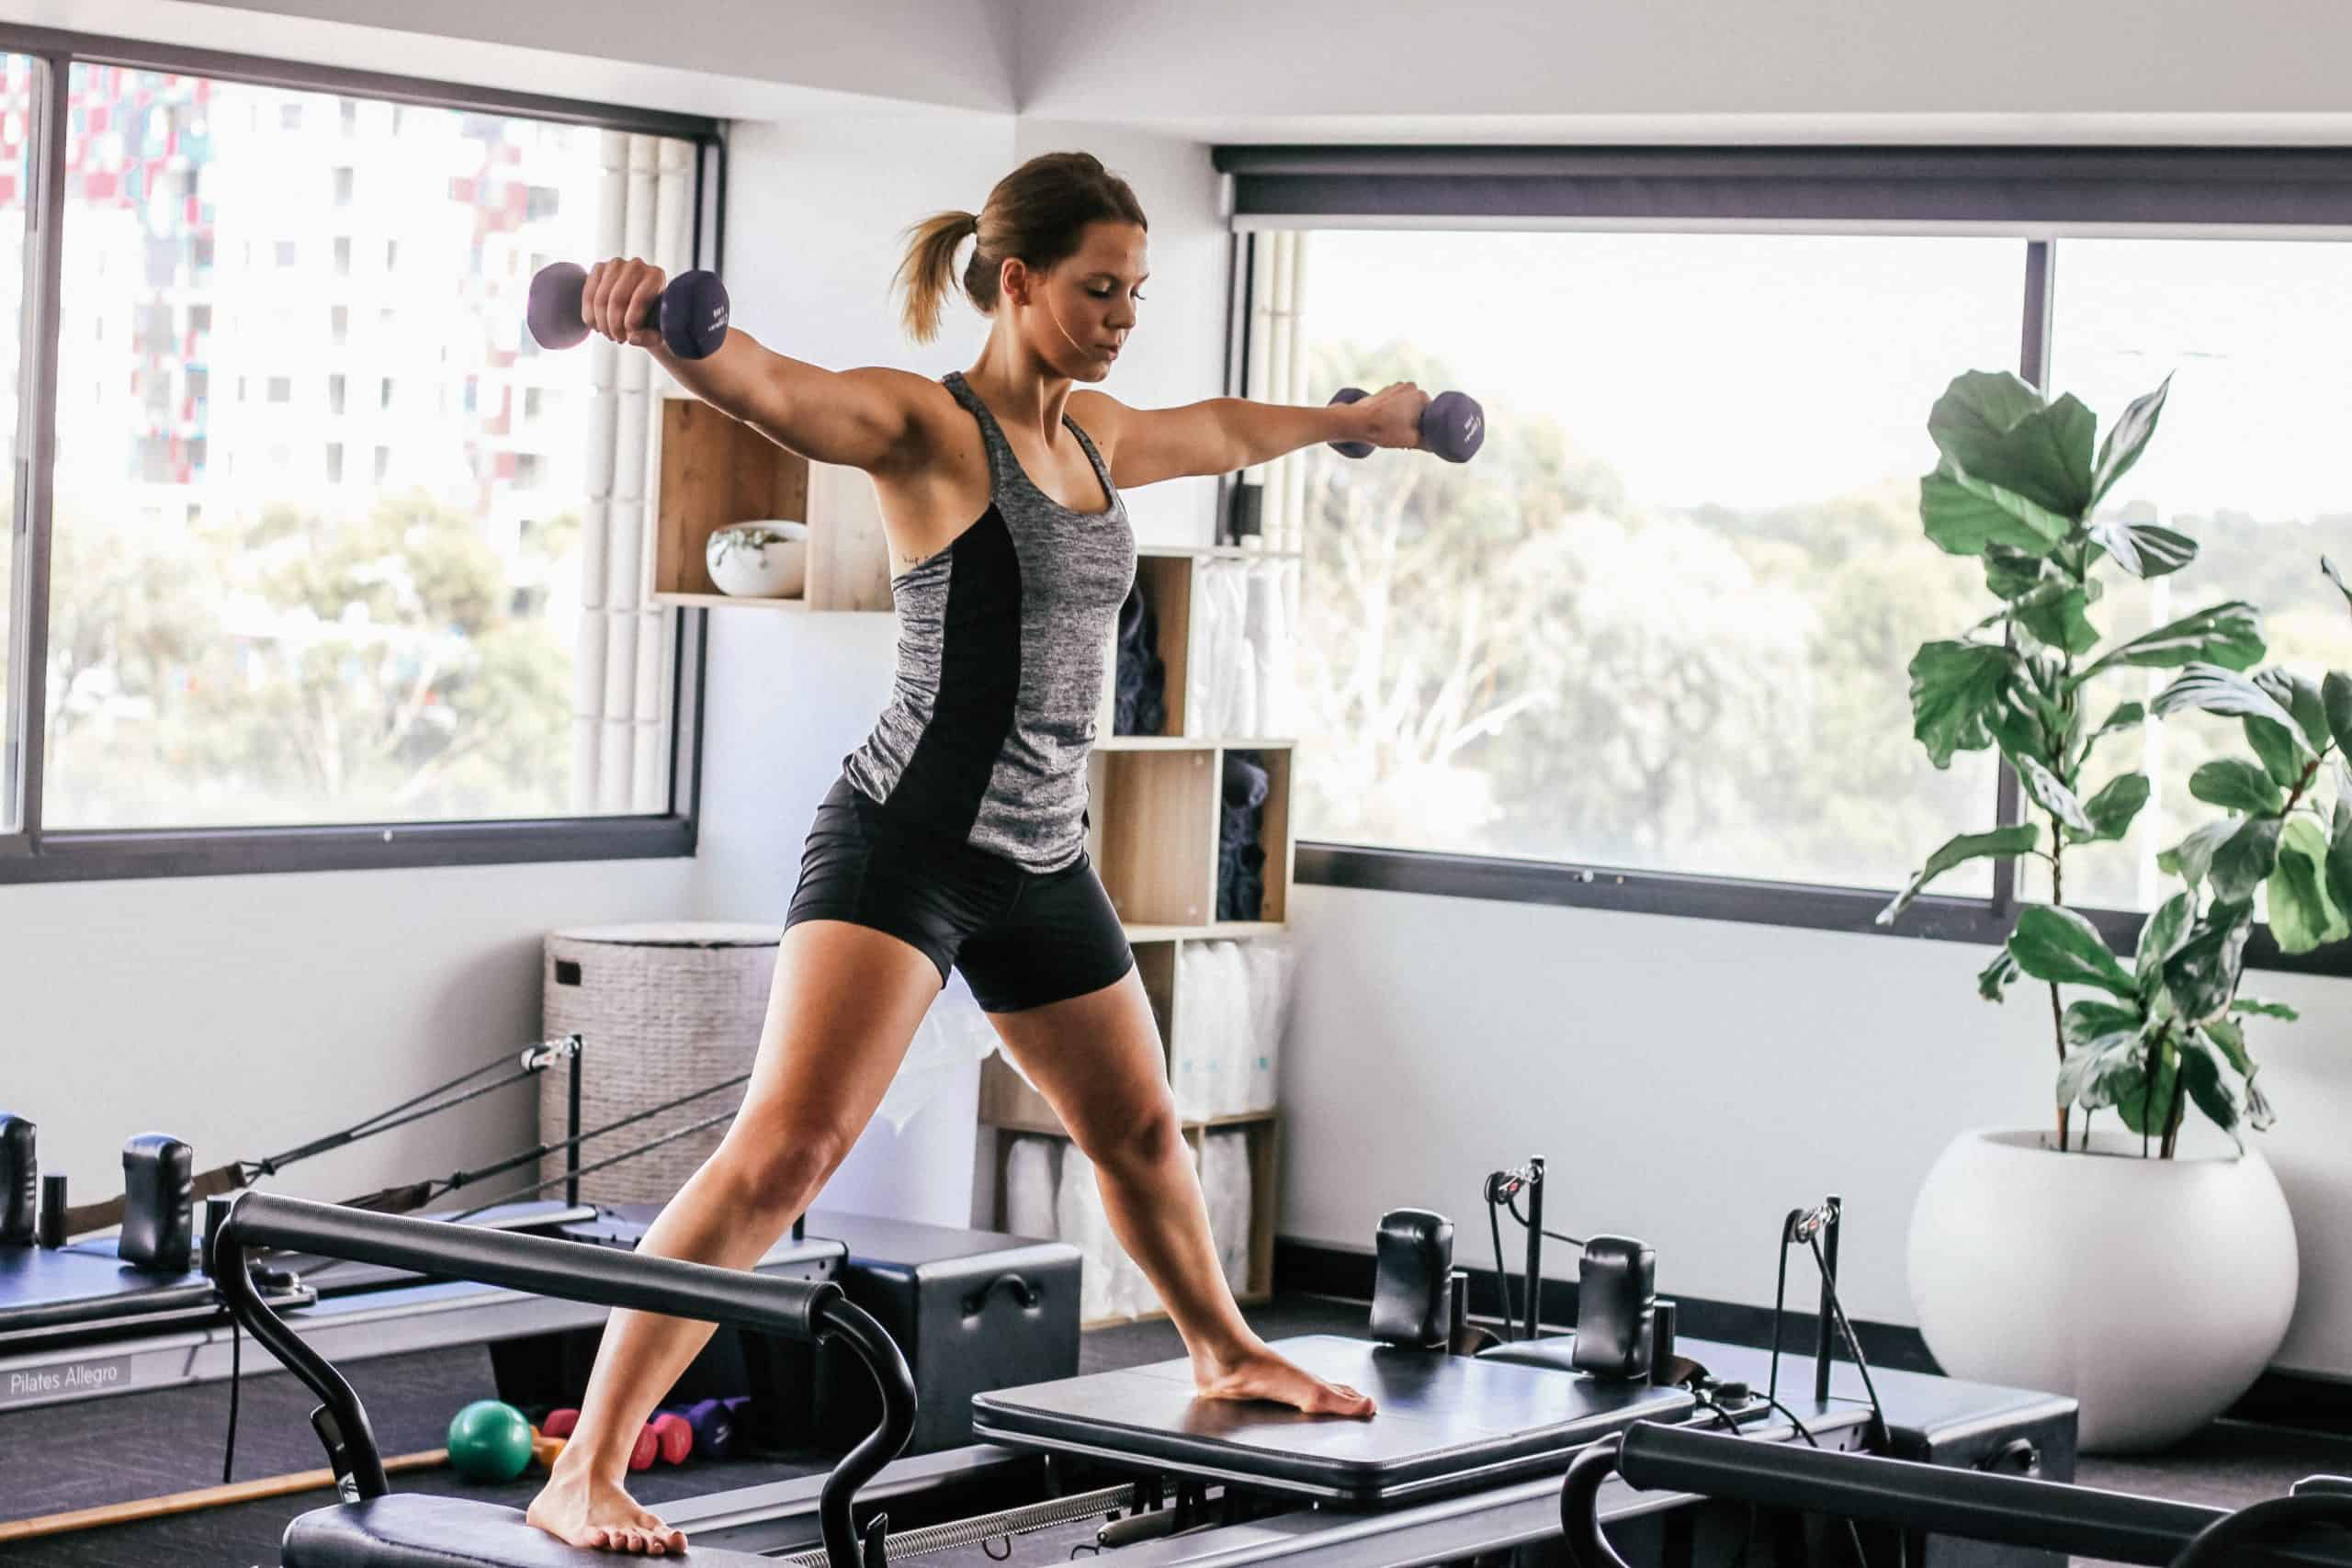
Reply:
x=759, y=560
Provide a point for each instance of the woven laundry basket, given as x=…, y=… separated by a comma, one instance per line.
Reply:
x=661, y=1009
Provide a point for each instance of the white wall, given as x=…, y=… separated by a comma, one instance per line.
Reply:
x=1690, y=1081
x=248, y=1014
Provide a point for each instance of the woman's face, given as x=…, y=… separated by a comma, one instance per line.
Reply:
x=1077, y=316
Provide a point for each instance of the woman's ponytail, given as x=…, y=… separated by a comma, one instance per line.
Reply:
x=1038, y=212
x=929, y=270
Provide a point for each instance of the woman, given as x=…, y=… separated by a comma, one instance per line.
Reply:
x=956, y=834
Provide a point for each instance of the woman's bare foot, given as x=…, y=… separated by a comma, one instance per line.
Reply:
x=576, y=1508
x=1258, y=1373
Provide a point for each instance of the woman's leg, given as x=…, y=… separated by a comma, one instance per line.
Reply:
x=1097, y=1059
x=844, y=1003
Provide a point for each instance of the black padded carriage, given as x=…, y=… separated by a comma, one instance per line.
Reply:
x=1446, y=1423
x=416, y=1529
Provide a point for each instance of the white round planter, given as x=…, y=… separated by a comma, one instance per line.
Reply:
x=759, y=560
x=2154, y=1291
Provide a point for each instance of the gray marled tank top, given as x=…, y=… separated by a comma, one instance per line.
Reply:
x=1001, y=638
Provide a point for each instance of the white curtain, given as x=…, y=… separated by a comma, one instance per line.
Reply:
x=621, y=683
x=1279, y=373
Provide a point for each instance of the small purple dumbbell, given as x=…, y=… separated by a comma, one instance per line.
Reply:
x=691, y=314
x=1453, y=425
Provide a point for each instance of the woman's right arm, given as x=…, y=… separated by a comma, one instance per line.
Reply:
x=859, y=419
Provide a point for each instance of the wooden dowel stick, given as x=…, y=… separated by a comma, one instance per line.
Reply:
x=203, y=1497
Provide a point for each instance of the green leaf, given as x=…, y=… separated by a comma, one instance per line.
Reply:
x=2049, y=793
x=2337, y=869
x=2301, y=916
x=2282, y=759
x=2328, y=567
x=2246, y=858
x=2094, y=1026
x=2142, y=549
x=2203, y=975
x=2231, y=1040
x=1995, y=979
x=2021, y=721
x=1967, y=519
x=2126, y=441
x=2009, y=573
x=2060, y=946
x=2085, y=1078
x=2192, y=857
x=2144, y=1103
x=2057, y=620
x=1953, y=684
x=2211, y=1093
x=2160, y=935
x=2252, y=1005
x=2112, y=810
x=2000, y=841
x=2237, y=785
x=2129, y=716
x=1995, y=429
x=2229, y=636
x=2335, y=702
x=2215, y=690
x=2300, y=698
x=2228, y=1036
x=2259, y=1114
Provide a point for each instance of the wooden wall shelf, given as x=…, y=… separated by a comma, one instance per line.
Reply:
x=717, y=470
x=1157, y=814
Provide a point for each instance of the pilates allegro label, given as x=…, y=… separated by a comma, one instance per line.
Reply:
x=68, y=1379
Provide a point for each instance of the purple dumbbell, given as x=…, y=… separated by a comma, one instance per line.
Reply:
x=691, y=314
x=1453, y=425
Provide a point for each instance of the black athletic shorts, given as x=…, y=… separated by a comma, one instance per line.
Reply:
x=1023, y=939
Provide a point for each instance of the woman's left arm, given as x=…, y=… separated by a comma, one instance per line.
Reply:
x=1223, y=434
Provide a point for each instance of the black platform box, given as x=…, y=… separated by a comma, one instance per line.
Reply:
x=974, y=1311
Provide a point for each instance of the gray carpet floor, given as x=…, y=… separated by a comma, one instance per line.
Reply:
x=146, y=1445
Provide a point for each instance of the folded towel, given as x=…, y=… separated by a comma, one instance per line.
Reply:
x=1138, y=682
x=1245, y=781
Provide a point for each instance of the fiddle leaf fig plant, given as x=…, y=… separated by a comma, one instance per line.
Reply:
x=2286, y=833
x=2018, y=479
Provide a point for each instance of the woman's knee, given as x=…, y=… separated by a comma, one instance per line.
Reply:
x=1139, y=1141
x=781, y=1167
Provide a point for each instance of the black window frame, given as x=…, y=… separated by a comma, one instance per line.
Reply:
x=2038, y=196
x=30, y=853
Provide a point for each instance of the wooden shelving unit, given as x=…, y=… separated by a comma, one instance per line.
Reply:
x=717, y=470
x=1155, y=811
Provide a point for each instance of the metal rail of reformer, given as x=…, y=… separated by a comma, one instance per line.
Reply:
x=2305, y=1531
x=798, y=1309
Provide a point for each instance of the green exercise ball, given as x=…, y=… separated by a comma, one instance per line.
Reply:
x=489, y=1440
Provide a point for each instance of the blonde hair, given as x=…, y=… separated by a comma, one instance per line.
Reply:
x=1038, y=213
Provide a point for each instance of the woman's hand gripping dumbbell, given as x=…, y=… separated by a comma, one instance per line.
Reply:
x=1450, y=425
x=629, y=301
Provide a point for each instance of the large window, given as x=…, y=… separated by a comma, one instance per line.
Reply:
x=1662, y=621
x=16, y=73
x=1660, y=626
x=271, y=604
x=2254, y=337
